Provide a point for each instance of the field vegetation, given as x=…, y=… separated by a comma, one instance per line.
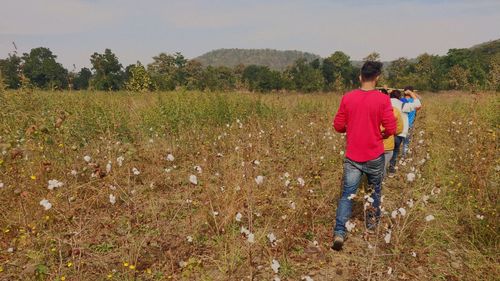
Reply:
x=233, y=186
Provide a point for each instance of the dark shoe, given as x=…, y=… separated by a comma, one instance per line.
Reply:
x=338, y=242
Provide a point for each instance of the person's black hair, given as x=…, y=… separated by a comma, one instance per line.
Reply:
x=396, y=94
x=408, y=88
x=370, y=70
x=384, y=91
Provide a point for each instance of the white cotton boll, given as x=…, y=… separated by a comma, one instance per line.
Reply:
x=112, y=199
x=292, y=205
x=275, y=265
x=410, y=177
x=429, y=218
x=74, y=173
x=87, y=158
x=193, y=179
x=350, y=226
x=402, y=211
x=170, y=157
x=245, y=231
x=394, y=214
x=135, y=171
x=251, y=238
x=352, y=196
x=480, y=217
x=198, y=169
x=272, y=238
x=301, y=181
x=46, y=204
x=287, y=183
x=120, y=160
x=219, y=155
x=108, y=167
x=259, y=180
x=420, y=141
x=410, y=203
x=389, y=270
x=189, y=239
x=256, y=162
x=238, y=217
x=413, y=254
x=54, y=183
x=341, y=152
x=1, y=185
x=387, y=237
x=215, y=213
x=276, y=278
x=307, y=278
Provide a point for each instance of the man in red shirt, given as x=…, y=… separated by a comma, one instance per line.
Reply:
x=361, y=114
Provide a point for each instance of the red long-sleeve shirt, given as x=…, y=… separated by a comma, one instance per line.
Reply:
x=360, y=115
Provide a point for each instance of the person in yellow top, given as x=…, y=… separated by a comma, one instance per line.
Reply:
x=389, y=142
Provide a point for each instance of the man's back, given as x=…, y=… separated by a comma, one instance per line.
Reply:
x=360, y=115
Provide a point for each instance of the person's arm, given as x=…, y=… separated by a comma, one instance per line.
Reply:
x=388, y=119
x=340, y=120
x=410, y=106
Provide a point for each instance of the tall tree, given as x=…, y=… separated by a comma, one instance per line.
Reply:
x=305, y=78
x=337, y=71
x=108, y=71
x=82, y=79
x=139, y=79
x=10, y=68
x=42, y=69
x=372, y=57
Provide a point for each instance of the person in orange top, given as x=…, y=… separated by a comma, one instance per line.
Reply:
x=389, y=142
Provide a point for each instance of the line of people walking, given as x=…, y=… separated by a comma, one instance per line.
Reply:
x=377, y=122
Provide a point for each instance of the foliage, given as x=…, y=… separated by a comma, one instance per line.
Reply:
x=108, y=71
x=305, y=77
x=42, y=69
x=82, y=79
x=139, y=80
x=10, y=68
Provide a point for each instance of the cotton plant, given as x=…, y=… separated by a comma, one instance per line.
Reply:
x=112, y=199
x=301, y=181
x=259, y=180
x=54, y=184
x=350, y=226
x=238, y=217
x=272, y=239
x=46, y=204
x=275, y=266
x=193, y=180
x=429, y=218
x=170, y=157
x=120, y=160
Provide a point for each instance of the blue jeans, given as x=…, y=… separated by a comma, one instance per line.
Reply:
x=406, y=143
x=353, y=171
x=397, y=144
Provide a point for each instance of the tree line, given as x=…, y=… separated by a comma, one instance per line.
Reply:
x=460, y=69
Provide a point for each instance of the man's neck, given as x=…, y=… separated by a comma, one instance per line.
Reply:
x=368, y=86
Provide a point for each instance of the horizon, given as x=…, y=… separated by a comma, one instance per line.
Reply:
x=196, y=27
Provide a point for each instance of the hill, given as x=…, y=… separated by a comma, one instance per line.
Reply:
x=274, y=59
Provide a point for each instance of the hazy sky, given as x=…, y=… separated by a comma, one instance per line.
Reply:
x=137, y=30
